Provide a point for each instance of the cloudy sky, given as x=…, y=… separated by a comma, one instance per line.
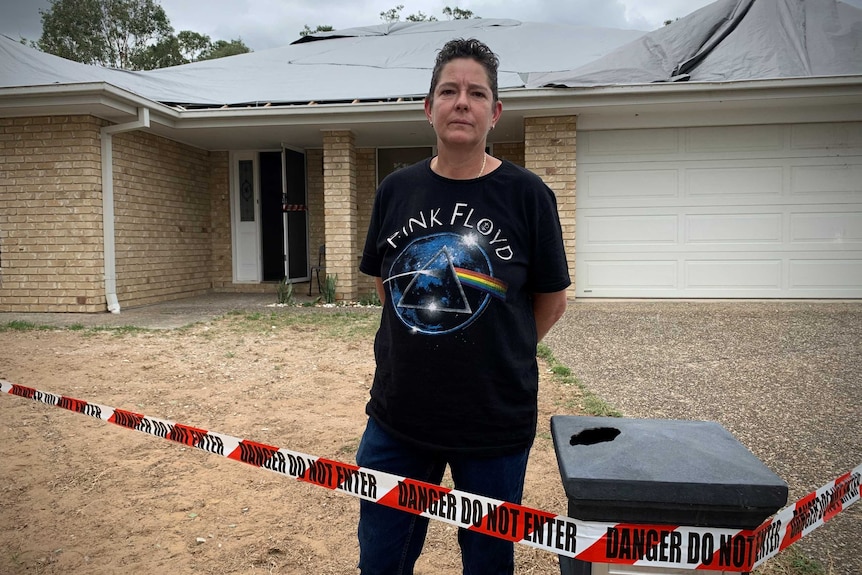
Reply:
x=263, y=24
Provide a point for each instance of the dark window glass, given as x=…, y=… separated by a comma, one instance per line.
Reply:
x=246, y=191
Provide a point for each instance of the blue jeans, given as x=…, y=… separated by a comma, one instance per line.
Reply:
x=391, y=540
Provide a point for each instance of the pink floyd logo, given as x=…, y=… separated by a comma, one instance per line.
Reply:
x=442, y=283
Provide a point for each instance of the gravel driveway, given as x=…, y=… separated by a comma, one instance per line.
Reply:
x=785, y=378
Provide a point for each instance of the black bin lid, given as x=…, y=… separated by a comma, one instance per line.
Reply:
x=662, y=471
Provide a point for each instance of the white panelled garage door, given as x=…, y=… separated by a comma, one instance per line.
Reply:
x=772, y=211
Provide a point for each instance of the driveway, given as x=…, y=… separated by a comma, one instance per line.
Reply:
x=785, y=378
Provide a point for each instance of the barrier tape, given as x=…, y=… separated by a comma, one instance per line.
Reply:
x=634, y=544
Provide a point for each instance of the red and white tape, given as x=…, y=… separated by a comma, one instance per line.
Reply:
x=634, y=544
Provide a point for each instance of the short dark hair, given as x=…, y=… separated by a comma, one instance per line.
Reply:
x=470, y=48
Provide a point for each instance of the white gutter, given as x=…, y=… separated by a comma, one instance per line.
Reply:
x=109, y=240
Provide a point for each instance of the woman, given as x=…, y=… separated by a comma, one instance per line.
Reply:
x=468, y=258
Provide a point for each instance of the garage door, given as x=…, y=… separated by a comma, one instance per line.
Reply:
x=771, y=211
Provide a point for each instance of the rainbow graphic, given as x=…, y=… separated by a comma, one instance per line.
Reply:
x=486, y=283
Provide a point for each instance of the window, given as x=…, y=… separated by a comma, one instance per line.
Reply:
x=246, y=191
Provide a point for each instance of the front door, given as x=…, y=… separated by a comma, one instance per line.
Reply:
x=295, y=216
x=284, y=226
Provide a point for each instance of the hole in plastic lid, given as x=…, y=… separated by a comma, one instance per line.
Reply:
x=594, y=435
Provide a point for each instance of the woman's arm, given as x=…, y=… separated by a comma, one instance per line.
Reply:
x=548, y=308
x=381, y=293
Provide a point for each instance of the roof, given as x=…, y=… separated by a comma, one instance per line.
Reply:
x=728, y=40
x=375, y=63
x=733, y=40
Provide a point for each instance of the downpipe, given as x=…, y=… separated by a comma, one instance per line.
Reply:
x=109, y=239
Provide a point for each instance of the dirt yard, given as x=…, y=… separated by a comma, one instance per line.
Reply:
x=78, y=495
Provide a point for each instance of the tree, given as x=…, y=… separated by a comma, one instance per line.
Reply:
x=193, y=45
x=320, y=28
x=458, y=14
x=166, y=52
x=116, y=33
x=223, y=48
x=420, y=17
x=128, y=34
x=394, y=15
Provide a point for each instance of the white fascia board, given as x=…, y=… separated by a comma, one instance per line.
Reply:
x=545, y=101
x=682, y=93
x=115, y=103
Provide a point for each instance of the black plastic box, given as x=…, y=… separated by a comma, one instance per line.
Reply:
x=661, y=471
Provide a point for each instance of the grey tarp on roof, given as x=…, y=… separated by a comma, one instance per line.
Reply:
x=725, y=41
x=371, y=63
x=733, y=40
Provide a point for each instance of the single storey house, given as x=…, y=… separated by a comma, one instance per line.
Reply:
x=717, y=157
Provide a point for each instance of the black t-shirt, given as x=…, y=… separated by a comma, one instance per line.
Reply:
x=456, y=348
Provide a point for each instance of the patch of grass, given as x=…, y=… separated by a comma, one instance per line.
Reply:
x=803, y=565
x=591, y=403
x=561, y=370
x=341, y=323
x=792, y=561
x=371, y=299
x=121, y=329
x=348, y=324
x=19, y=325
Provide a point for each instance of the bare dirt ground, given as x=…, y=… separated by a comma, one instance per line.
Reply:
x=78, y=495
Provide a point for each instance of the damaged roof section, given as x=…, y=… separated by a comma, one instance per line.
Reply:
x=725, y=41
x=376, y=63
x=732, y=40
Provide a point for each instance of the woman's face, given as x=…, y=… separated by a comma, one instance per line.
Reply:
x=463, y=108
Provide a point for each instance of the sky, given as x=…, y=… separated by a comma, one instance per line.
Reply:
x=263, y=24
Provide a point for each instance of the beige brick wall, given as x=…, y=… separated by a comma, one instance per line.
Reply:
x=512, y=151
x=172, y=208
x=366, y=184
x=550, y=146
x=163, y=222
x=314, y=191
x=51, y=255
x=221, y=262
x=340, y=207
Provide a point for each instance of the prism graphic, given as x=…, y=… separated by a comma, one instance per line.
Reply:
x=442, y=283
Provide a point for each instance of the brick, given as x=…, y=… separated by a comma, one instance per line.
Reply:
x=550, y=151
x=59, y=158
